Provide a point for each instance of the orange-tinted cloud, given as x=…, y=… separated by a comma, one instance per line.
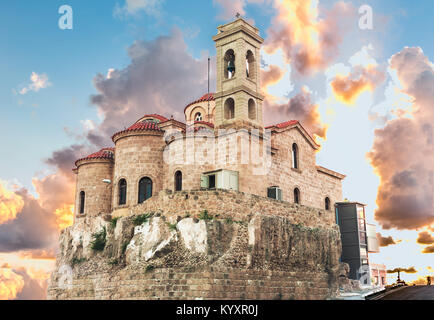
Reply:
x=10, y=284
x=403, y=150
x=10, y=204
x=385, y=241
x=406, y=270
x=308, y=42
x=349, y=87
x=429, y=249
x=41, y=254
x=271, y=76
x=300, y=108
x=425, y=238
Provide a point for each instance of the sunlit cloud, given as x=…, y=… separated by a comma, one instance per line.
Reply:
x=10, y=204
x=405, y=197
x=10, y=284
x=37, y=82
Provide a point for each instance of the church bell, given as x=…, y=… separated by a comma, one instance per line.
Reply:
x=231, y=66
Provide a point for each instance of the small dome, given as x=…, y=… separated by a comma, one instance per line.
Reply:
x=106, y=153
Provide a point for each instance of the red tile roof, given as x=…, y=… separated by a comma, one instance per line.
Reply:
x=209, y=124
x=283, y=124
x=106, y=153
x=156, y=116
x=141, y=126
x=204, y=98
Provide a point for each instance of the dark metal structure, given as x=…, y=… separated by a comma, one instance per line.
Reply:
x=350, y=216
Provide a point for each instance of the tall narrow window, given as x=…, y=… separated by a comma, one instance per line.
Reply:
x=252, y=109
x=250, y=65
x=122, y=192
x=82, y=199
x=178, y=181
x=295, y=156
x=327, y=203
x=296, y=196
x=229, y=108
x=145, y=189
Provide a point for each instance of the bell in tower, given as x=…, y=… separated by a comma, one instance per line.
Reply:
x=238, y=97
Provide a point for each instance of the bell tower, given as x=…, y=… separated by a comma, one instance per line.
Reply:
x=238, y=98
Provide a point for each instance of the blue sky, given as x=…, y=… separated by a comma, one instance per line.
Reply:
x=32, y=125
x=32, y=41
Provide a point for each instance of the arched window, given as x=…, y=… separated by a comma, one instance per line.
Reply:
x=250, y=65
x=198, y=117
x=178, y=181
x=295, y=156
x=229, y=108
x=145, y=189
x=229, y=64
x=82, y=199
x=327, y=203
x=252, y=109
x=296, y=196
x=122, y=192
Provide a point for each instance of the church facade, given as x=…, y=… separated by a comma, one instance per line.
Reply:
x=222, y=144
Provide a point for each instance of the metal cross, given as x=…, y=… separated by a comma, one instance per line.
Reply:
x=238, y=15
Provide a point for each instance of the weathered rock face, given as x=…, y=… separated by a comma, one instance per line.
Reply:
x=262, y=257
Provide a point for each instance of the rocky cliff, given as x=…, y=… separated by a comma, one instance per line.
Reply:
x=155, y=256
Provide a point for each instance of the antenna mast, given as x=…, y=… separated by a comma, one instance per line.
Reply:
x=209, y=60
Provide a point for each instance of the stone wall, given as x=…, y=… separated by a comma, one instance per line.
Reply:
x=314, y=186
x=90, y=176
x=138, y=155
x=246, y=247
x=228, y=204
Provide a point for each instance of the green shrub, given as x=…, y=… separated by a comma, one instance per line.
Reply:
x=99, y=240
x=172, y=226
x=114, y=262
x=141, y=219
x=205, y=216
x=114, y=222
x=76, y=261
x=124, y=247
x=229, y=220
x=149, y=268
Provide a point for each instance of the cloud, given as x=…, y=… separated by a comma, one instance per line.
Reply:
x=133, y=7
x=271, y=76
x=403, y=151
x=347, y=88
x=232, y=7
x=38, y=82
x=42, y=254
x=11, y=284
x=33, y=228
x=385, y=241
x=161, y=78
x=10, y=204
x=301, y=108
x=425, y=238
x=429, y=249
x=406, y=270
x=308, y=42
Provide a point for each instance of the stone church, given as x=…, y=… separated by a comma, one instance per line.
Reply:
x=216, y=207
x=213, y=149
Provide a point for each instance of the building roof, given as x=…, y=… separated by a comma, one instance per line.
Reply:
x=155, y=116
x=209, y=124
x=204, y=98
x=141, y=126
x=283, y=124
x=295, y=123
x=106, y=153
